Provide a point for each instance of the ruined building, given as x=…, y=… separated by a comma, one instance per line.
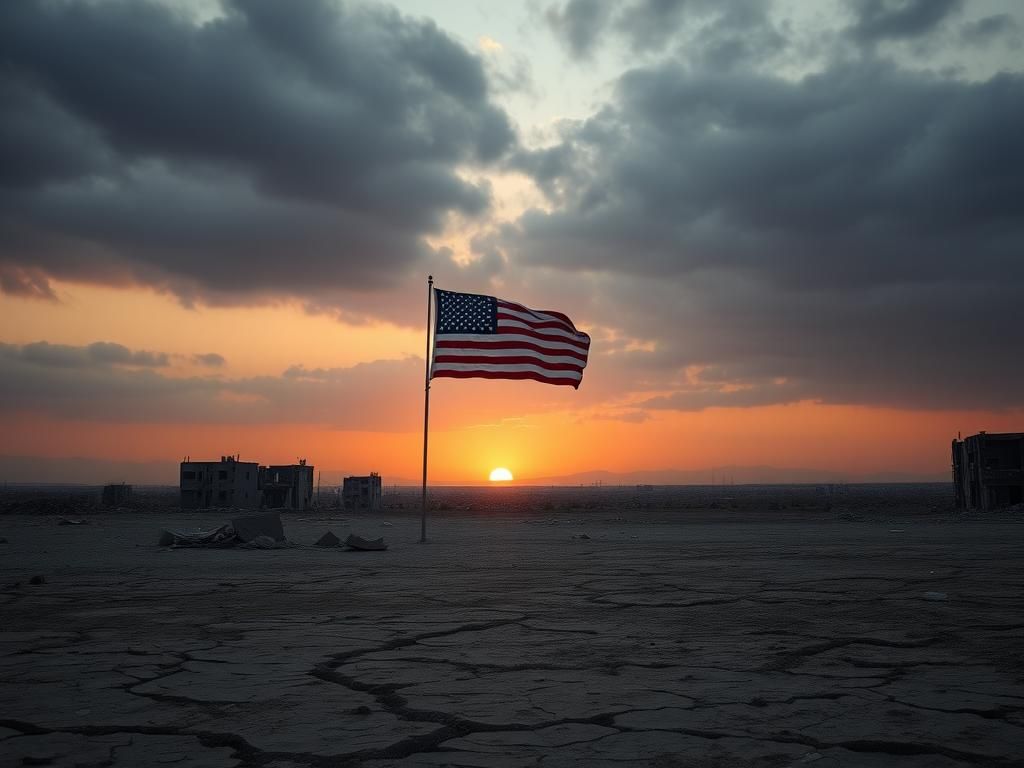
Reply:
x=116, y=495
x=288, y=486
x=225, y=483
x=988, y=470
x=361, y=492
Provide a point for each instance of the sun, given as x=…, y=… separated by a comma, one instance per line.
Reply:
x=500, y=475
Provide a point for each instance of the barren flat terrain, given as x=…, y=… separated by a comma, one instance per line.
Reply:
x=729, y=627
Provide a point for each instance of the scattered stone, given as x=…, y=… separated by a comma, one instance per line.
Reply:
x=580, y=536
x=328, y=540
x=935, y=596
x=385, y=524
x=69, y=521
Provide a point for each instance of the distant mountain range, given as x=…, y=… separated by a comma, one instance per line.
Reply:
x=30, y=469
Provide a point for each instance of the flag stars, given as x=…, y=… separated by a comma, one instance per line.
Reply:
x=466, y=313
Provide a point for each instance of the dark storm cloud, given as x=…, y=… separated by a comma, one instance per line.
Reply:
x=26, y=282
x=579, y=23
x=693, y=171
x=107, y=382
x=878, y=20
x=984, y=31
x=100, y=354
x=650, y=24
x=279, y=149
x=850, y=237
x=645, y=24
x=721, y=34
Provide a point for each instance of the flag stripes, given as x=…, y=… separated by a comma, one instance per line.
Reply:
x=485, y=337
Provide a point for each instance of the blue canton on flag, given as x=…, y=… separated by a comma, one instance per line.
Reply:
x=466, y=313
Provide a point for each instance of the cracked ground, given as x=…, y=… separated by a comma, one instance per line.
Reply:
x=504, y=642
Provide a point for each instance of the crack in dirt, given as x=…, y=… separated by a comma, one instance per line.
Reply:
x=785, y=661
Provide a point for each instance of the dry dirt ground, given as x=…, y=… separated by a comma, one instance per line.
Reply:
x=666, y=638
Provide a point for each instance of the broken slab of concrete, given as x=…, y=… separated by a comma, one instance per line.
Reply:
x=262, y=531
x=367, y=545
x=328, y=540
x=250, y=527
x=217, y=538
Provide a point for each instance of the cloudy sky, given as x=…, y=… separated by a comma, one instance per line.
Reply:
x=794, y=230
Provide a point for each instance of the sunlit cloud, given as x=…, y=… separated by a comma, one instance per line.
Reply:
x=489, y=44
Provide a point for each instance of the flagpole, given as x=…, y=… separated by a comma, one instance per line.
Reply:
x=426, y=413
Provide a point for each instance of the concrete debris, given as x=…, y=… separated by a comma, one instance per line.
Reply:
x=328, y=540
x=368, y=545
x=250, y=527
x=217, y=538
x=580, y=536
x=262, y=531
x=69, y=521
x=264, y=542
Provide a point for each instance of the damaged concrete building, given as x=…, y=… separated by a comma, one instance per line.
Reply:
x=362, y=492
x=245, y=484
x=287, y=486
x=225, y=483
x=116, y=495
x=988, y=470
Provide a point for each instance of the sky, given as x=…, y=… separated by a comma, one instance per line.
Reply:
x=793, y=230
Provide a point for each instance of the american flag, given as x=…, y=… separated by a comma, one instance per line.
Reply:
x=479, y=336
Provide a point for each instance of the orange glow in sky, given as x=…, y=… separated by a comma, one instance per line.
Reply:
x=254, y=340
x=544, y=432
x=513, y=424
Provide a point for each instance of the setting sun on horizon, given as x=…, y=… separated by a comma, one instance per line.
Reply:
x=500, y=475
